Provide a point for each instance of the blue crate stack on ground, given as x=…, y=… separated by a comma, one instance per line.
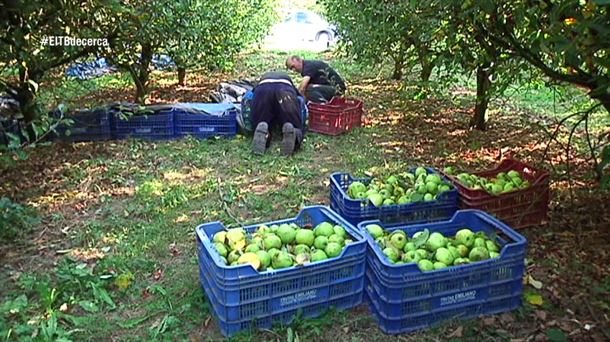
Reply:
x=403, y=298
x=204, y=120
x=87, y=125
x=242, y=298
x=155, y=123
x=356, y=211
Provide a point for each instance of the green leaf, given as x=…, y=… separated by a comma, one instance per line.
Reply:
x=556, y=335
x=160, y=327
x=89, y=306
x=533, y=298
x=158, y=289
x=605, y=182
x=132, y=323
x=49, y=328
x=14, y=306
x=290, y=335
x=77, y=321
x=421, y=239
x=34, y=85
x=21, y=154
x=601, y=2
x=101, y=294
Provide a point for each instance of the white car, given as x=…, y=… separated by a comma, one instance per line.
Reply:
x=303, y=26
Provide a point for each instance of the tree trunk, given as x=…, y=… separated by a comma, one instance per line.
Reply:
x=181, y=76
x=27, y=102
x=605, y=100
x=141, y=93
x=398, y=66
x=141, y=76
x=25, y=95
x=478, y=120
x=426, y=71
x=426, y=65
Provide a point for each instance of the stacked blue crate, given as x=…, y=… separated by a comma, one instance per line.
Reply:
x=244, y=298
x=404, y=299
x=205, y=120
x=151, y=123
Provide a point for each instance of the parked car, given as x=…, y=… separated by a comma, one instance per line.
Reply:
x=304, y=26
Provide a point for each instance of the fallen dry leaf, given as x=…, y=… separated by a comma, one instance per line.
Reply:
x=507, y=318
x=145, y=293
x=173, y=249
x=158, y=274
x=540, y=338
x=87, y=254
x=541, y=315
x=457, y=333
x=489, y=320
x=531, y=281
x=181, y=219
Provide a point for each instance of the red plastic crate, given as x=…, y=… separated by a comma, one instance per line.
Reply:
x=520, y=208
x=335, y=117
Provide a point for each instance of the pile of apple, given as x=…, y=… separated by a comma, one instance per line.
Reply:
x=503, y=182
x=281, y=246
x=403, y=188
x=434, y=251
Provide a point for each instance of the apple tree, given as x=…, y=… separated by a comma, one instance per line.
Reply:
x=216, y=31
x=374, y=31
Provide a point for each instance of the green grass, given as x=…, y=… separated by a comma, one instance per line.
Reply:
x=204, y=180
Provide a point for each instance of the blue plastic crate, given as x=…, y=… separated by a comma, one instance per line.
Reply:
x=156, y=126
x=204, y=125
x=235, y=292
x=241, y=294
x=404, y=299
x=356, y=211
x=436, y=318
x=319, y=294
x=92, y=125
x=263, y=321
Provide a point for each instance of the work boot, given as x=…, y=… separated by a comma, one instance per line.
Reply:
x=289, y=139
x=259, y=142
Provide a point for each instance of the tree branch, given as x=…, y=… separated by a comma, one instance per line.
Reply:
x=560, y=124
x=592, y=150
x=534, y=59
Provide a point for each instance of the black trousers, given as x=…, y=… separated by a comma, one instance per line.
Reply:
x=321, y=93
x=276, y=104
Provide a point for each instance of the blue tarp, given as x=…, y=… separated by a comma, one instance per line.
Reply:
x=217, y=109
x=89, y=69
x=163, y=62
x=99, y=67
